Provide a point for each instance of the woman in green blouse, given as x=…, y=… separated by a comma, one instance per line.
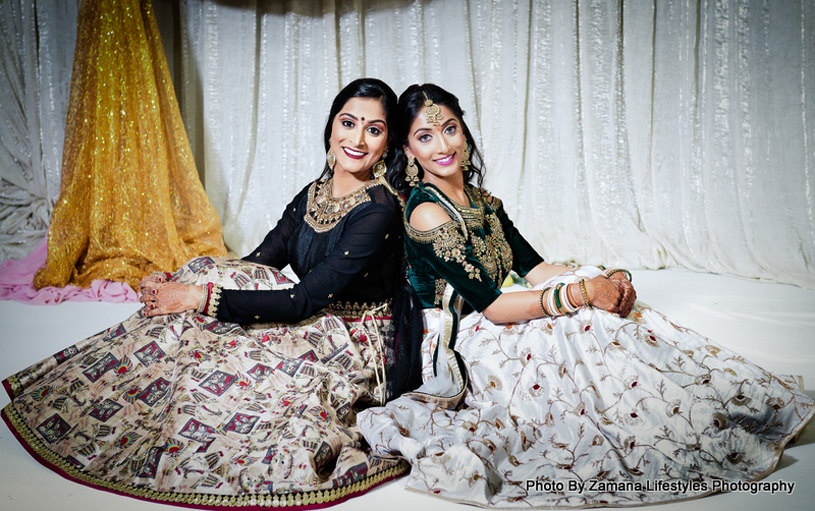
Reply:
x=441, y=160
x=568, y=394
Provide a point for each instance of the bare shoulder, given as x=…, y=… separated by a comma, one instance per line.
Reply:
x=427, y=216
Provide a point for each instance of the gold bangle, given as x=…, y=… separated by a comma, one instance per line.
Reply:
x=585, y=293
x=627, y=273
x=545, y=314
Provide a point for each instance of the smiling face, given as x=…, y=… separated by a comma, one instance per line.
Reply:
x=359, y=136
x=438, y=148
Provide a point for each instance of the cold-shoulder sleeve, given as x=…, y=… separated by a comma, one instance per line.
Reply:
x=444, y=252
x=473, y=252
x=368, y=227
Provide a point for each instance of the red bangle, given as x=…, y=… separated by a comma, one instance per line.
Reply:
x=208, y=289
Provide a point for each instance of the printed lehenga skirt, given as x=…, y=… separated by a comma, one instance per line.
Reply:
x=584, y=410
x=185, y=409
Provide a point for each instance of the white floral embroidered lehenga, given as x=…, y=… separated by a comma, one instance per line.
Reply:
x=584, y=410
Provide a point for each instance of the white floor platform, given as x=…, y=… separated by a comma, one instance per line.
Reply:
x=772, y=325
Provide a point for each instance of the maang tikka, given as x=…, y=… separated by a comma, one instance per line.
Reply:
x=431, y=110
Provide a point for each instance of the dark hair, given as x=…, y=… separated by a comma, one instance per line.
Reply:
x=411, y=103
x=365, y=88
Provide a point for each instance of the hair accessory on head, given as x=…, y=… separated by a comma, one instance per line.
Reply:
x=432, y=110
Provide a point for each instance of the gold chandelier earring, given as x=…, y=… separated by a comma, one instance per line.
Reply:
x=465, y=162
x=330, y=158
x=379, y=167
x=412, y=172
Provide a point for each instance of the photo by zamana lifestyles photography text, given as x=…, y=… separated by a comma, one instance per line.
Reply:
x=660, y=485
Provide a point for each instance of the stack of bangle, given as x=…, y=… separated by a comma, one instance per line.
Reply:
x=204, y=300
x=210, y=299
x=566, y=303
x=556, y=302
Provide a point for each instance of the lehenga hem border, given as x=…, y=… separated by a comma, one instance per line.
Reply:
x=315, y=499
x=584, y=506
x=792, y=437
x=8, y=387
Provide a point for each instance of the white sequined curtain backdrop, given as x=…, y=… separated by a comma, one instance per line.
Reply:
x=635, y=133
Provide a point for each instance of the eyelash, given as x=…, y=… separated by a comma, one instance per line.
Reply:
x=373, y=130
x=425, y=137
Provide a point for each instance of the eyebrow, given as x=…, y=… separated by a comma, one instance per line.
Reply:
x=354, y=117
x=445, y=123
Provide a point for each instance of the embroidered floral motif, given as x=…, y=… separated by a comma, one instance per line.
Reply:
x=440, y=285
x=561, y=398
x=448, y=244
x=214, y=301
x=500, y=250
x=348, y=310
x=325, y=211
x=491, y=250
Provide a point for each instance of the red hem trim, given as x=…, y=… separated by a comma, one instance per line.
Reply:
x=7, y=386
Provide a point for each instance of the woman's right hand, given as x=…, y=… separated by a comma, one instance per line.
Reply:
x=169, y=298
x=615, y=296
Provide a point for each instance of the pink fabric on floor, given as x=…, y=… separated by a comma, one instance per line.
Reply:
x=17, y=283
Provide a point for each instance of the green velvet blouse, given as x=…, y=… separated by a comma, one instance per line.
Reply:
x=474, y=252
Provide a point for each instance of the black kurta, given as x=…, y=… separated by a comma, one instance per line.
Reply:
x=344, y=251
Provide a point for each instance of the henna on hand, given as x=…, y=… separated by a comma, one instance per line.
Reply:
x=627, y=296
x=604, y=293
x=170, y=298
x=150, y=281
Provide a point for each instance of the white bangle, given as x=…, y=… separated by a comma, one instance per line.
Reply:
x=568, y=308
x=550, y=301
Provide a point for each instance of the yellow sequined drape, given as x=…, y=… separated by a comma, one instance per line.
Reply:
x=131, y=201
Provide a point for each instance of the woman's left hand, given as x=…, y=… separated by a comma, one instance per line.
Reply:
x=169, y=298
x=628, y=295
x=611, y=294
